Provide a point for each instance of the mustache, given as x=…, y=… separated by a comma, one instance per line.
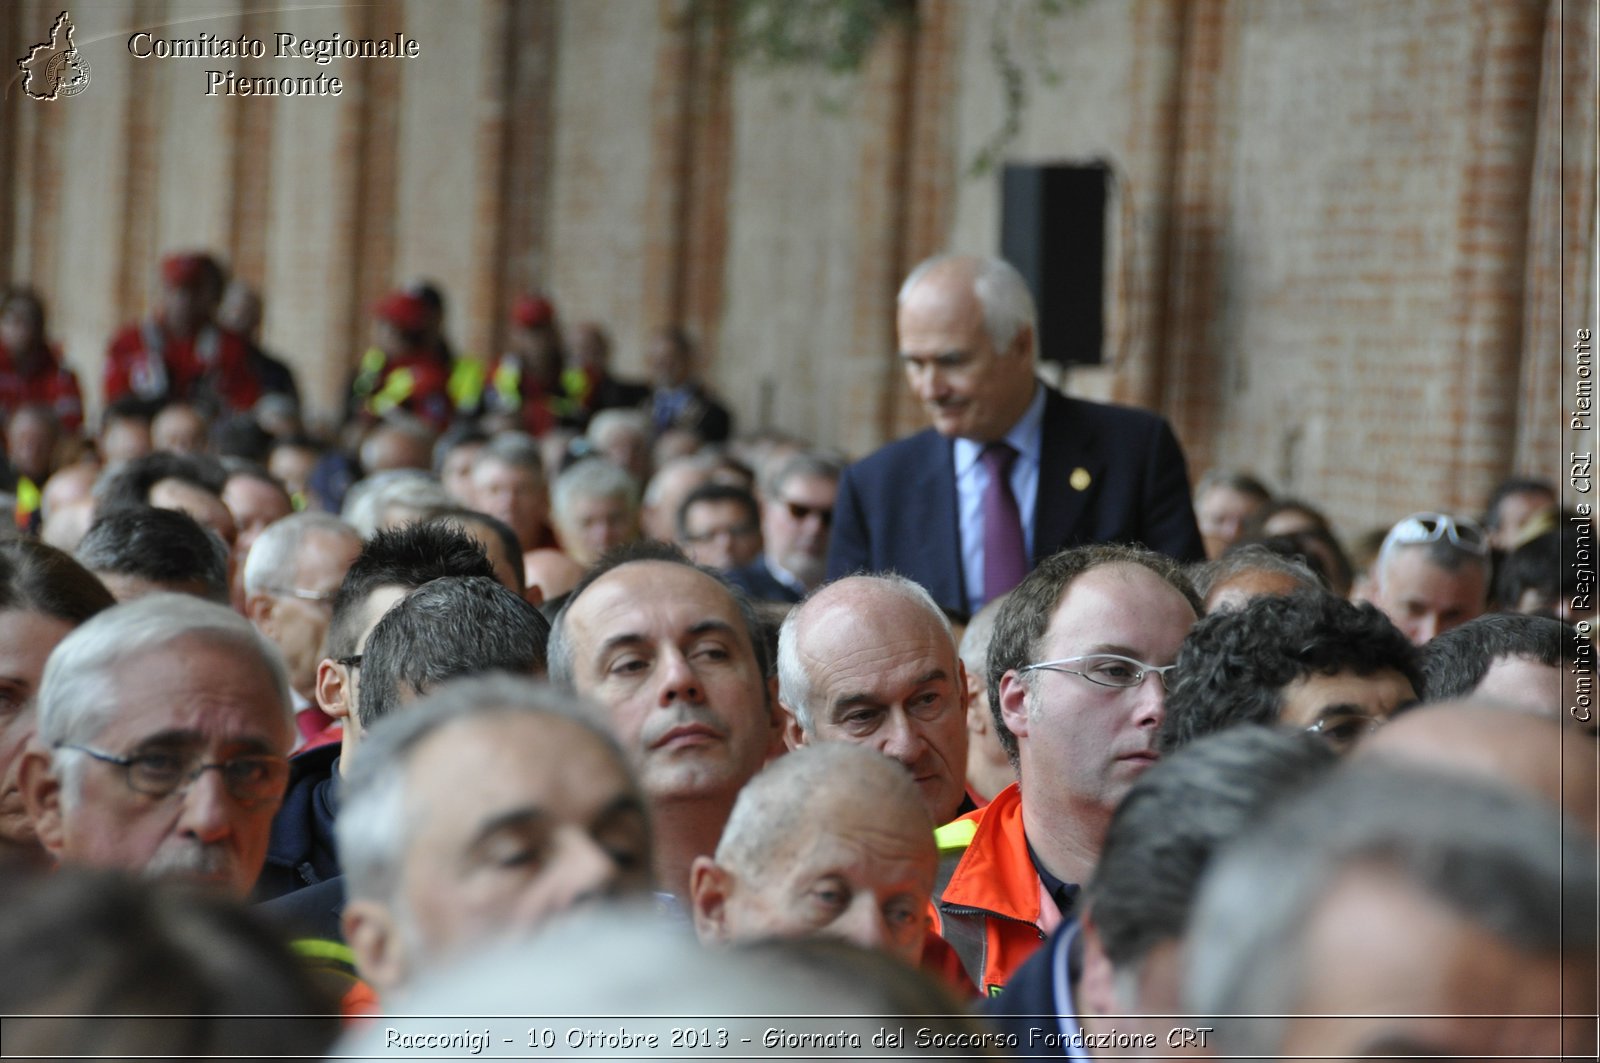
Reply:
x=190, y=860
x=685, y=716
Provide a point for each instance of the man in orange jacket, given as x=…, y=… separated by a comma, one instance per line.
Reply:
x=1077, y=684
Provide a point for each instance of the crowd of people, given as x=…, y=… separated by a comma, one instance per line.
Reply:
x=531, y=690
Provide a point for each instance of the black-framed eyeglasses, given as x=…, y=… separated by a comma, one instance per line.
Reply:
x=1105, y=669
x=800, y=511
x=352, y=661
x=249, y=779
x=1421, y=528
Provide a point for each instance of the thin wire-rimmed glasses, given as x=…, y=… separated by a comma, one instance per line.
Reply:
x=249, y=779
x=1105, y=669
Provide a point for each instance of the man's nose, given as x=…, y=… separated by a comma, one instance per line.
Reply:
x=1150, y=701
x=585, y=870
x=207, y=808
x=678, y=681
x=901, y=739
x=863, y=923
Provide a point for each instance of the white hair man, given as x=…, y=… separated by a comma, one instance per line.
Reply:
x=595, y=506
x=871, y=660
x=291, y=575
x=163, y=730
x=487, y=808
x=832, y=839
x=1011, y=471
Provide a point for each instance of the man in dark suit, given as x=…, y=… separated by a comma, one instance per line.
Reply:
x=680, y=400
x=1011, y=471
x=797, y=504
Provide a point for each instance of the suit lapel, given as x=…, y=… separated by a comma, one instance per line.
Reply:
x=1070, y=474
x=935, y=513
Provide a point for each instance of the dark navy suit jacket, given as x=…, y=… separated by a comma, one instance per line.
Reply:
x=1106, y=474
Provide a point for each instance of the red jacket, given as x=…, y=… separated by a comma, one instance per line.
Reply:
x=992, y=909
x=49, y=384
x=149, y=362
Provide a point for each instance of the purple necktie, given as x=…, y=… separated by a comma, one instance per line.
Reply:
x=1005, y=551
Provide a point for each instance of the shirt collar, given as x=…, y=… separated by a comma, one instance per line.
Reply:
x=1026, y=436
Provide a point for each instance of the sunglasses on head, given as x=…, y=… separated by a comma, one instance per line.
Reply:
x=1422, y=528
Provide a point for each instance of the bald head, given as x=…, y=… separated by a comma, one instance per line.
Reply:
x=1488, y=739
x=871, y=660
x=831, y=839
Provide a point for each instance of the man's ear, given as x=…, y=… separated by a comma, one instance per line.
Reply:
x=794, y=736
x=709, y=889
x=534, y=595
x=372, y=934
x=259, y=609
x=41, y=796
x=1014, y=703
x=1096, y=991
x=1022, y=342
x=333, y=689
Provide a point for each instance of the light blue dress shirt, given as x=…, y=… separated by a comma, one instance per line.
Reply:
x=972, y=477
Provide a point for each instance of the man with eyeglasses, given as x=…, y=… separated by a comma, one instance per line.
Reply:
x=1307, y=662
x=1077, y=672
x=796, y=527
x=291, y=574
x=719, y=526
x=163, y=728
x=1432, y=574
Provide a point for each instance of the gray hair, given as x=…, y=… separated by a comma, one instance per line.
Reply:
x=275, y=554
x=1497, y=858
x=1252, y=558
x=608, y=422
x=779, y=805
x=975, y=639
x=1441, y=552
x=367, y=501
x=372, y=826
x=1008, y=305
x=819, y=463
x=794, y=682
x=592, y=478
x=78, y=691
x=516, y=449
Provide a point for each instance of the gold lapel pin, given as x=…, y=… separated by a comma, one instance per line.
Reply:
x=1079, y=479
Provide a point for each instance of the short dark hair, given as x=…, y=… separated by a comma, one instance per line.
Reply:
x=1234, y=665
x=407, y=556
x=1165, y=831
x=715, y=492
x=38, y=578
x=130, y=485
x=1536, y=565
x=1020, y=627
x=160, y=545
x=445, y=629
x=1455, y=661
x=1516, y=485
x=458, y=515
x=651, y=550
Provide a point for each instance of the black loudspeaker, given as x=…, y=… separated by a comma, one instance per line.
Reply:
x=1053, y=229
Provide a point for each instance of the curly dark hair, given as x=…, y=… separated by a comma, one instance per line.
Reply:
x=1456, y=661
x=1234, y=665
